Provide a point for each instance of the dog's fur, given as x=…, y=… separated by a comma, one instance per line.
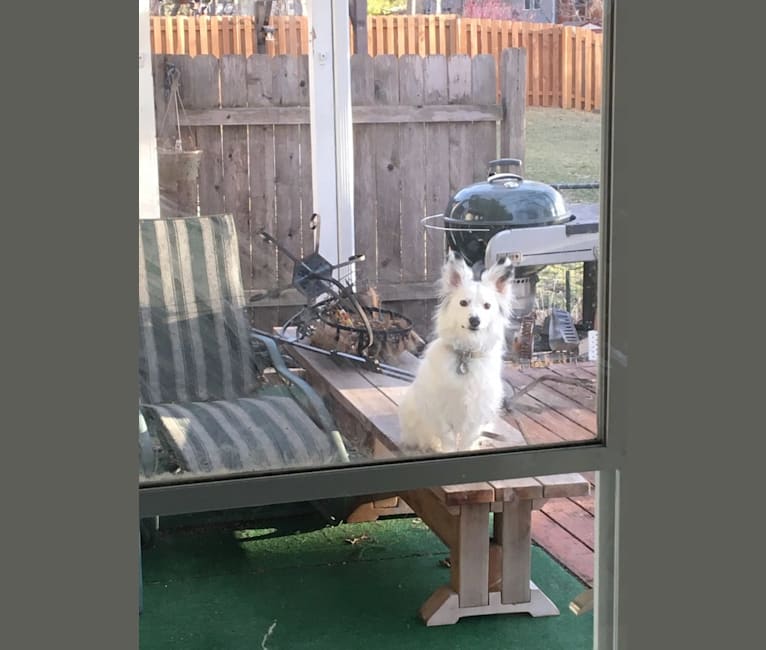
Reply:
x=458, y=388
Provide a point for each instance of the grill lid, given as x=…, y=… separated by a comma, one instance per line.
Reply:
x=506, y=200
x=474, y=214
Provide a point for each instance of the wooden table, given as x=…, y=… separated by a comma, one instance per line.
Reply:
x=489, y=574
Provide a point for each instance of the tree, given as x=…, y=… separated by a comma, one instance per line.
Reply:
x=581, y=11
x=381, y=7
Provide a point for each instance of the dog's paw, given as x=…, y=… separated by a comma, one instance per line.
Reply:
x=421, y=448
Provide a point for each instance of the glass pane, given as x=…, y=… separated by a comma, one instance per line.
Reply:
x=466, y=323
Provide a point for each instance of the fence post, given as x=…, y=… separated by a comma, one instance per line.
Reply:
x=261, y=19
x=513, y=71
x=358, y=11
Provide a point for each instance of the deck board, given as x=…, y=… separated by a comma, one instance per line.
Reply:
x=565, y=528
x=562, y=545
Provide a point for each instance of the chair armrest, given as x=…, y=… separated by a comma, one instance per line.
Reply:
x=146, y=455
x=309, y=398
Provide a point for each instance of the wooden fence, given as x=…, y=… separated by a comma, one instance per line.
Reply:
x=564, y=64
x=423, y=128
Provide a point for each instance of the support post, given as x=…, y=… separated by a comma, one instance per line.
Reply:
x=513, y=89
x=332, y=152
x=589, y=294
x=357, y=9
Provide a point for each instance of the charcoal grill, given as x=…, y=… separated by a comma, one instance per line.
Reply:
x=528, y=221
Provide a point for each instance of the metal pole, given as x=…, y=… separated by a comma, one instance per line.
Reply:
x=332, y=150
x=375, y=366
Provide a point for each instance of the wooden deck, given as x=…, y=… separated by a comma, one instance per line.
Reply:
x=553, y=412
x=490, y=572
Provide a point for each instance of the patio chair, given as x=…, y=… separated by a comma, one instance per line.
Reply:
x=205, y=406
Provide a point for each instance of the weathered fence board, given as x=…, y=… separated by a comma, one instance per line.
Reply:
x=437, y=146
x=462, y=168
x=412, y=137
x=373, y=114
x=262, y=184
x=236, y=194
x=365, y=195
x=199, y=88
x=483, y=84
x=388, y=172
x=290, y=79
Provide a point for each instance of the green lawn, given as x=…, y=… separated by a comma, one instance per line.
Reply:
x=564, y=146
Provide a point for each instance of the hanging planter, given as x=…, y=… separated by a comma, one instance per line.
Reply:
x=178, y=167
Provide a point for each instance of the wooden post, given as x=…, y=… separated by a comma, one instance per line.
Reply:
x=358, y=12
x=262, y=15
x=589, y=294
x=470, y=560
x=513, y=67
x=516, y=543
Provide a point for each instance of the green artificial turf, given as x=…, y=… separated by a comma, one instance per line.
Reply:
x=316, y=586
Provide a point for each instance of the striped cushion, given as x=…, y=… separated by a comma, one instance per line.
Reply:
x=241, y=435
x=193, y=334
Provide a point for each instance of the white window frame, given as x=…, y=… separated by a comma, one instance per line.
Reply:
x=332, y=149
x=148, y=172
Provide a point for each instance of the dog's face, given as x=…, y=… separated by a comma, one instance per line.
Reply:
x=473, y=313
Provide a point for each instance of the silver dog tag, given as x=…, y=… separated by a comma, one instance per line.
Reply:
x=462, y=365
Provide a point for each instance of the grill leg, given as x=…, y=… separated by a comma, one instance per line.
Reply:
x=589, y=294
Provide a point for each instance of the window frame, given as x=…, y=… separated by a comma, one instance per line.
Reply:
x=605, y=455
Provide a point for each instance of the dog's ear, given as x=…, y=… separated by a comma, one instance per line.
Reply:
x=455, y=272
x=500, y=275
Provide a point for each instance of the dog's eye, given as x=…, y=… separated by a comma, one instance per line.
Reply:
x=487, y=305
x=464, y=303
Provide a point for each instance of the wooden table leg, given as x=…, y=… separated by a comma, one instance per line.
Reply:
x=469, y=567
x=487, y=577
x=516, y=541
x=470, y=560
x=513, y=532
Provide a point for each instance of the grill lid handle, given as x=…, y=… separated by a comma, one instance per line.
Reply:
x=504, y=177
x=502, y=162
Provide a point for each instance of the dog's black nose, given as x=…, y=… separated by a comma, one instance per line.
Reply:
x=474, y=322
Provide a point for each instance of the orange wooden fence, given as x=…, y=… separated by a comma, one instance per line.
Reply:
x=564, y=64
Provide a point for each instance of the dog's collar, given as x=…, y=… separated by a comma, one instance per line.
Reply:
x=463, y=356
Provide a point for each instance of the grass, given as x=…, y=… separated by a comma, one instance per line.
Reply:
x=564, y=146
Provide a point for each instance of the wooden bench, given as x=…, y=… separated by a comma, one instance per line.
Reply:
x=489, y=573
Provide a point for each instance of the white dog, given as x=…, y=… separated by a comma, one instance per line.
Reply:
x=458, y=388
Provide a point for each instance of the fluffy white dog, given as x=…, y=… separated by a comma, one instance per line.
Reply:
x=458, y=388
